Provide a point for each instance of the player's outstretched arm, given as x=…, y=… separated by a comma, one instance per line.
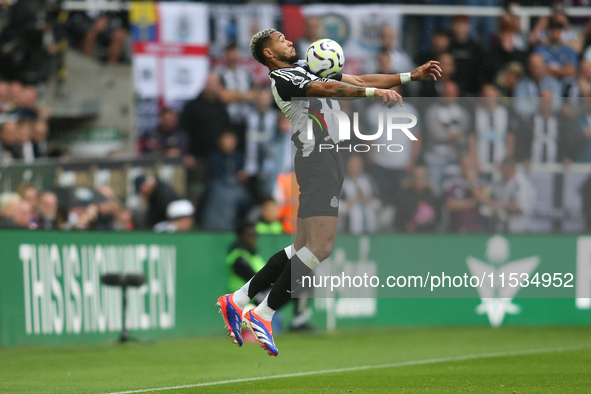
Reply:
x=341, y=89
x=384, y=81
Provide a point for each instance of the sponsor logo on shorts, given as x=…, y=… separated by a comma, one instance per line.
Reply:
x=334, y=202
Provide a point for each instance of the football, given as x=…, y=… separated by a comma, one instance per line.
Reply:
x=325, y=58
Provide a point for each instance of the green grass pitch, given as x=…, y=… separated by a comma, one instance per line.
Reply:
x=420, y=360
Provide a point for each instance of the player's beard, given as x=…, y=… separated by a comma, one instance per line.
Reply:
x=291, y=59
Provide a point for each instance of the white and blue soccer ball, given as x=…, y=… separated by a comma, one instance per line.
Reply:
x=325, y=58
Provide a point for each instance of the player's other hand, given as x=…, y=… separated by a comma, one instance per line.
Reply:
x=429, y=69
x=389, y=97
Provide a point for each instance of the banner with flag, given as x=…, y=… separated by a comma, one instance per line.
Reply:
x=170, y=49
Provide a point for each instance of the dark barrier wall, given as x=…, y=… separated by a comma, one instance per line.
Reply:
x=50, y=290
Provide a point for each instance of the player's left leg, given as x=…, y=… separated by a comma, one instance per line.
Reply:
x=232, y=305
x=321, y=234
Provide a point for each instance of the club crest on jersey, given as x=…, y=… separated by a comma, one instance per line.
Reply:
x=298, y=79
x=334, y=202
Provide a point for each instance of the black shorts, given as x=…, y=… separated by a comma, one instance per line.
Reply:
x=320, y=177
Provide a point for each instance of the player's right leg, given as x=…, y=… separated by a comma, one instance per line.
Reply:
x=232, y=305
x=321, y=233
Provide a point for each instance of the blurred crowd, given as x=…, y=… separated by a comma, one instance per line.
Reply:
x=23, y=123
x=507, y=100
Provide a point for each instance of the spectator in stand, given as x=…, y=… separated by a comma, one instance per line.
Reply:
x=543, y=140
x=107, y=207
x=586, y=198
x=440, y=41
x=269, y=222
x=418, y=207
x=47, y=211
x=16, y=88
x=261, y=129
x=492, y=137
x=468, y=57
x=359, y=202
x=463, y=197
x=503, y=52
x=388, y=168
x=106, y=28
x=287, y=193
x=314, y=32
x=237, y=90
x=180, y=218
x=6, y=103
x=580, y=85
x=204, y=118
x=158, y=195
x=167, y=136
x=511, y=18
x=399, y=60
x=512, y=199
x=281, y=152
x=529, y=88
x=561, y=60
x=9, y=204
x=431, y=88
x=23, y=216
x=26, y=103
x=507, y=79
x=226, y=197
x=583, y=137
x=446, y=134
x=39, y=138
x=540, y=34
x=29, y=193
x=25, y=132
x=9, y=146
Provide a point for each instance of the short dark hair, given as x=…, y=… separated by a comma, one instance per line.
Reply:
x=259, y=42
x=441, y=32
x=555, y=25
x=231, y=46
x=243, y=227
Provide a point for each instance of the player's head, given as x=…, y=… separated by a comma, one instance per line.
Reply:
x=270, y=47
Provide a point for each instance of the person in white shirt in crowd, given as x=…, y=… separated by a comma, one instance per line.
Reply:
x=39, y=138
x=25, y=133
x=237, y=90
x=180, y=218
x=359, y=204
x=390, y=168
x=400, y=60
x=446, y=134
x=261, y=129
x=529, y=88
x=542, y=139
x=281, y=153
x=512, y=199
x=9, y=147
x=492, y=137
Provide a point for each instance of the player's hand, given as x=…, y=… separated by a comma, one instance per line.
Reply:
x=389, y=97
x=429, y=69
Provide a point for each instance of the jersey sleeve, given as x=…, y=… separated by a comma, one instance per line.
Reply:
x=338, y=77
x=289, y=84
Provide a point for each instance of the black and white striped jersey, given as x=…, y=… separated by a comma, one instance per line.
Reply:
x=287, y=84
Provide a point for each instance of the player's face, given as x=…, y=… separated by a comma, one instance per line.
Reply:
x=283, y=49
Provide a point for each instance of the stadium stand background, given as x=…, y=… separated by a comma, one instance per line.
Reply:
x=67, y=94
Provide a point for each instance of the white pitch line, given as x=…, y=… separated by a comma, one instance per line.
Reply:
x=365, y=367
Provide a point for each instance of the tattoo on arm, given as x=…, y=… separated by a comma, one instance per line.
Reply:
x=342, y=90
x=346, y=90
